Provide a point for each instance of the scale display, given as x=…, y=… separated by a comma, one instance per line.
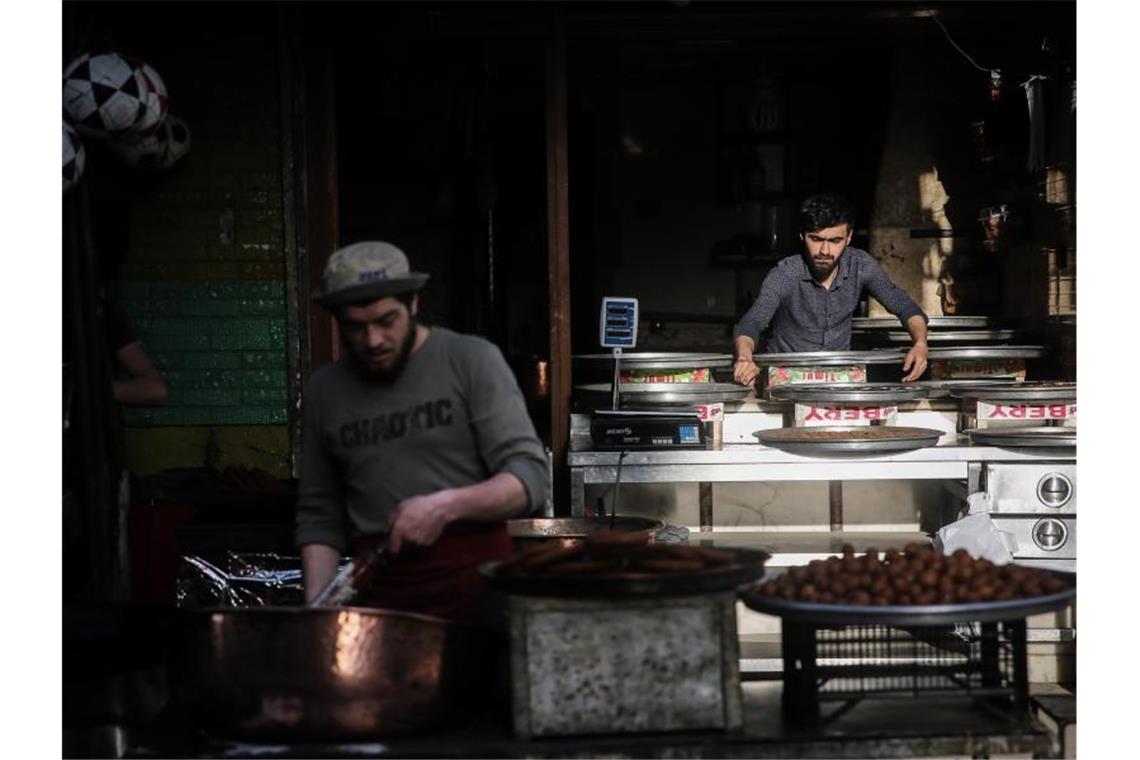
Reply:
x=618, y=322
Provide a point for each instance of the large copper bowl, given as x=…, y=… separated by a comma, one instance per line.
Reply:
x=299, y=673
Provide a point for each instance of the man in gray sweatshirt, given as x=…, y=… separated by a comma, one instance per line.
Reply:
x=417, y=440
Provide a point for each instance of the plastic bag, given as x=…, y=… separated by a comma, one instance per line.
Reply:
x=977, y=534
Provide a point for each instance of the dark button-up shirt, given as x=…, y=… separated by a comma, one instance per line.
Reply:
x=805, y=316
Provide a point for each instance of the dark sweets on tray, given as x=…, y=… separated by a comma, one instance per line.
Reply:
x=919, y=575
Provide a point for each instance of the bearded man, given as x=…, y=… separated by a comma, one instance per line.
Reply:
x=807, y=301
x=417, y=441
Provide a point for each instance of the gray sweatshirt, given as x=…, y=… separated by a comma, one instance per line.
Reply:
x=453, y=418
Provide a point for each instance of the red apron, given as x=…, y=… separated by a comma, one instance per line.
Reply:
x=443, y=579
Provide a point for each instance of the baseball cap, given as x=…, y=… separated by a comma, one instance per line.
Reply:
x=366, y=270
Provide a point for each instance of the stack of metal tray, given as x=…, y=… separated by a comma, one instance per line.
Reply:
x=659, y=360
x=1045, y=390
x=665, y=394
x=848, y=393
x=830, y=358
x=1021, y=437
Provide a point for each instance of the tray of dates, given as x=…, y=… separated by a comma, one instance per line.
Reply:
x=917, y=586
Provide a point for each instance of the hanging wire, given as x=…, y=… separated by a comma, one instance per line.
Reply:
x=935, y=19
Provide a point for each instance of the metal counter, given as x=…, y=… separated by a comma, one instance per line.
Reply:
x=752, y=462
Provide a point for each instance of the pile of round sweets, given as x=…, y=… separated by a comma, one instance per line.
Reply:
x=918, y=575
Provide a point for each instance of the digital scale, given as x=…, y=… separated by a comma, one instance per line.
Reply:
x=616, y=430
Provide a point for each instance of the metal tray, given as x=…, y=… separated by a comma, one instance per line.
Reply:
x=830, y=358
x=1025, y=391
x=747, y=566
x=1018, y=437
x=661, y=360
x=950, y=336
x=848, y=393
x=782, y=438
x=934, y=614
x=933, y=323
x=987, y=352
x=649, y=394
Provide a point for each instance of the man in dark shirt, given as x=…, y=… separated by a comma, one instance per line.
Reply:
x=809, y=300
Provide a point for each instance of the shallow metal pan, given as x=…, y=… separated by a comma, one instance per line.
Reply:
x=786, y=439
x=1026, y=391
x=830, y=358
x=660, y=360
x=950, y=336
x=987, y=352
x=934, y=614
x=933, y=323
x=1018, y=437
x=848, y=393
x=747, y=566
x=668, y=393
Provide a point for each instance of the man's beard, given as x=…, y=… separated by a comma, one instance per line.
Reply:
x=391, y=374
x=821, y=269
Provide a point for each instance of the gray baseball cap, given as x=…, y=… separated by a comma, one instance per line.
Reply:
x=367, y=270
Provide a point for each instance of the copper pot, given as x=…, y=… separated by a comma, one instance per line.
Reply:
x=299, y=673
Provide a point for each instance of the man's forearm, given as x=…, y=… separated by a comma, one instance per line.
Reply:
x=745, y=347
x=499, y=497
x=318, y=567
x=916, y=326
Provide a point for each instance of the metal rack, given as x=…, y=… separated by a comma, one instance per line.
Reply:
x=827, y=665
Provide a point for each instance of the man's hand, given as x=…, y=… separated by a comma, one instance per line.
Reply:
x=915, y=362
x=744, y=371
x=419, y=520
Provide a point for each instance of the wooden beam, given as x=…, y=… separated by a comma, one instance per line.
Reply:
x=558, y=248
x=322, y=219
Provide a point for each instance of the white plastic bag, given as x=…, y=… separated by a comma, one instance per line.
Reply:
x=977, y=534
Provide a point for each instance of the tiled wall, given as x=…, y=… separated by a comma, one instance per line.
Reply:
x=204, y=279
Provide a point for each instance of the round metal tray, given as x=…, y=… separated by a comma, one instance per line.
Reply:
x=953, y=384
x=1018, y=437
x=786, y=439
x=848, y=393
x=671, y=394
x=933, y=323
x=830, y=358
x=987, y=352
x=661, y=360
x=747, y=566
x=934, y=614
x=1025, y=391
x=953, y=336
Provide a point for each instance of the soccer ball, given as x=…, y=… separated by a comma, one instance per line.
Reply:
x=103, y=94
x=74, y=157
x=160, y=149
x=155, y=98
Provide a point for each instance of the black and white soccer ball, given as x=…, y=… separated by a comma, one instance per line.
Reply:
x=154, y=98
x=160, y=149
x=103, y=94
x=74, y=157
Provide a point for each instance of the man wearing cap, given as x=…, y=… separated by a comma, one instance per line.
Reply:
x=416, y=440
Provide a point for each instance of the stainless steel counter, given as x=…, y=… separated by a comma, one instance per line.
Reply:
x=753, y=462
